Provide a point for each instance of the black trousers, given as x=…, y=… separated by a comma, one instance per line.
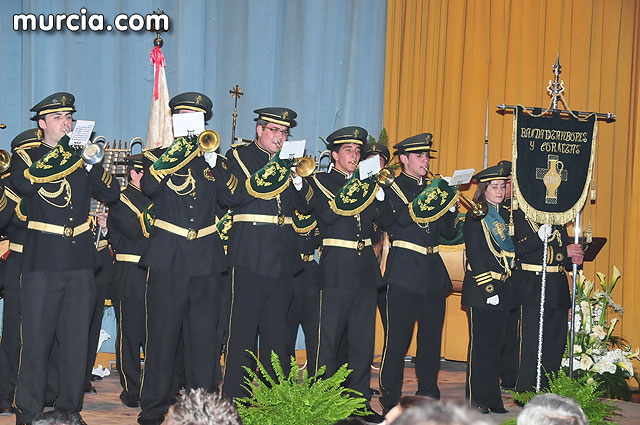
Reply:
x=175, y=303
x=404, y=307
x=94, y=331
x=553, y=344
x=487, y=335
x=511, y=352
x=259, y=306
x=54, y=304
x=132, y=336
x=304, y=311
x=9, y=345
x=350, y=314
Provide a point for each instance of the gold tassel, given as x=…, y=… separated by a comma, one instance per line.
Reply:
x=593, y=190
x=588, y=235
x=514, y=204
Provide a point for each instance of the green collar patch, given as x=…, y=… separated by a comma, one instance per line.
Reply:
x=271, y=180
x=433, y=202
x=354, y=196
x=58, y=163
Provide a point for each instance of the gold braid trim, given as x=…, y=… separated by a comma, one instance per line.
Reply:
x=335, y=209
x=322, y=188
x=11, y=195
x=309, y=195
x=399, y=192
x=268, y=195
x=3, y=202
x=442, y=212
x=25, y=156
x=232, y=183
x=150, y=156
x=19, y=214
x=53, y=177
x=245, y=170
x=502, y=256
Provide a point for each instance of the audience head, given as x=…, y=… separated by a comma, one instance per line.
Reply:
x=198, y=407
x=406, y=402
x=552, y=409
x=438, y=413
x=57, y=417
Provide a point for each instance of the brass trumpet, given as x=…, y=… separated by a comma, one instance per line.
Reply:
x=92, y=153
x=5, y=160
x=305, y=166
x=385, y=177
x=478, y=209
x=208, y=141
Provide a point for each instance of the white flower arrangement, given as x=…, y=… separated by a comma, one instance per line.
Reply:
x=598, y=354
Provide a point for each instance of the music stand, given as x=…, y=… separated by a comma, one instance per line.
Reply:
x=592, y=249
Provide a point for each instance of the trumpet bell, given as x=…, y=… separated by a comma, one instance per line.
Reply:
x=479, y=210
x=386, y=177
x=305, y=166
x=208, y=141
x=5, y=160
x=93, y=153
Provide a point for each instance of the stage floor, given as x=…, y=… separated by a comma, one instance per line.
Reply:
x=105, y=408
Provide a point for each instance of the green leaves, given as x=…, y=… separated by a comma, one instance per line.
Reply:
x=284, y=400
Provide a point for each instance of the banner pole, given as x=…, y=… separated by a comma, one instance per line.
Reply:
x=543, y=290
x=572, y=329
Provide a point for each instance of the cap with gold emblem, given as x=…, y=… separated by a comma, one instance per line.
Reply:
x=57, y=102
x=352, y=134
x=371, y=149
x=415, y=144
x=278, y=115
x=502, y=171
x=134, y=161
x=27, y=136
x=192, y=101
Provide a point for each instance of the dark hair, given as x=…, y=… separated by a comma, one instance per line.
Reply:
x=351, y=421
x=479, y=195
x=415, y=400
x=57, y=417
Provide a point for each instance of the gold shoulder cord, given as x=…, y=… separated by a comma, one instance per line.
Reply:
x=502, y=257
x=189, y=182
x=64, y=187
x=322, y=188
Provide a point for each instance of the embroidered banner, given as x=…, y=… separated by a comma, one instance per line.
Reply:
x=552, y=164
x=433, y=202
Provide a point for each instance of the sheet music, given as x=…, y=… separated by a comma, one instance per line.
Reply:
x=185, y=124
x=292, y=149
x=81, y=133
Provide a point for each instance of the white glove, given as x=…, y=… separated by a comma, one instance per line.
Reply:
x=88, y=167
x=544, y=232
x=380, y=194
x=453, y=208
x=495, y=300
x=211, y=158
x=297, y=181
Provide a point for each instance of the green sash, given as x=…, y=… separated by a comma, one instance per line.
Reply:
x=271, y=180
x=354, y=196
x=177, y=155
x=224, y=225
x=58, y=163
x=433, y=202
x=303, y=223
x=499, y=230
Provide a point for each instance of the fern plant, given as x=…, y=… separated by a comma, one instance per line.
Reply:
x=584, y=390
x=282, y=400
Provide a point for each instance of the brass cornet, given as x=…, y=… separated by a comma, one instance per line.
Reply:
x=305, y=166
x=478, y=209
x=385, y=177
x=208, y=141
x=5, y=160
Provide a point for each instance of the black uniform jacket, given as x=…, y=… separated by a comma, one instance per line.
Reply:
x=307, y=243
x=425, y=274
x=264, y=248
x=340, y=267
x=64, y=202
x=127, y=238
x=487, y=276
x=14, y=229
x=187, y=199
x=529, y=250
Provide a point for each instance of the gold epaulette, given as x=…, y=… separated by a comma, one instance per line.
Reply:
x=21, y=151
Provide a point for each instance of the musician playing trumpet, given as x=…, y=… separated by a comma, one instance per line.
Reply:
x=346, y=208
x=58, y=285
x=262, y=250
x=417, y=279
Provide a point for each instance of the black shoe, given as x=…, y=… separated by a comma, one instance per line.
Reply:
x=95, y=377
x=374, y=391
x=156, y=421
x=498, y=410
x=482, y=410
x=50, y=403
x=130, y=401
x=6, y=410
x=372, y=417
x=90, y=390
